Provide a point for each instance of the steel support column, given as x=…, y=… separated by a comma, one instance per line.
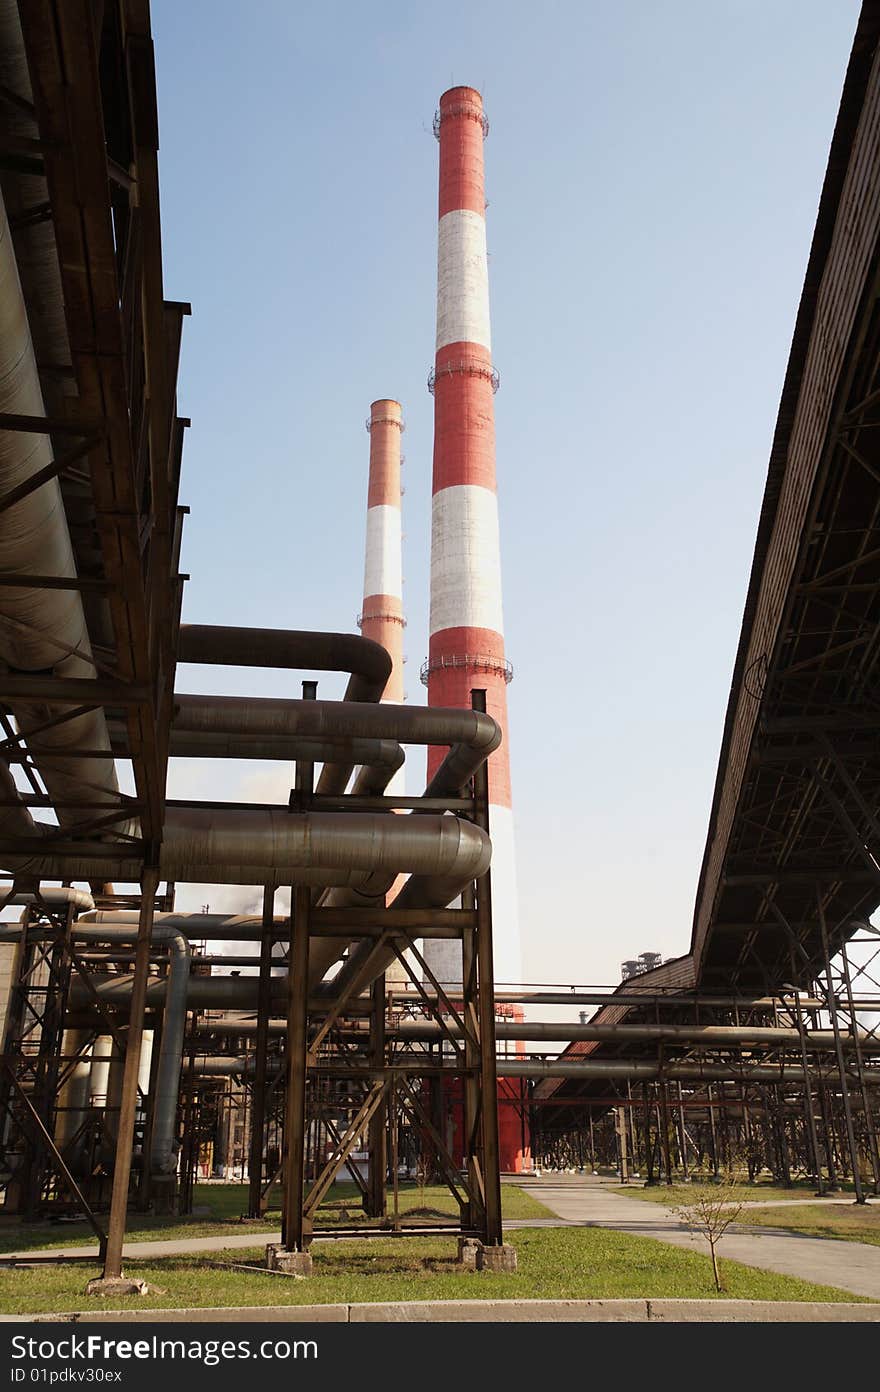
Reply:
x=128, y=1100
x=256, y=1205
x=293, y=1226
x=492, y=1225
x=376, y=1143
x=841, y=1064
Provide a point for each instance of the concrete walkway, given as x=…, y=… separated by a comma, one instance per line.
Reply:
x=584, y=1201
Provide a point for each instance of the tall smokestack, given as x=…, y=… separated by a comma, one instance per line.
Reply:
x=467, y=628
x=382, y=615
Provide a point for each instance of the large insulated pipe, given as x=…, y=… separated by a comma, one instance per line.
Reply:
x=52, y=895
x=366, y=663
x=466, y=647
x=42, y=629
x=221, y=846
x=468, y=736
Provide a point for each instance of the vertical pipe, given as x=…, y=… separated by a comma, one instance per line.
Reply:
x=471, y=1053
x=378, y=1158
x=712, y=1133
x=261, y=1054
x=649, y=1143
x=682, y=1134
x=293, y=1233
x=128, y=1101
x=841, y=1063
x=492, y=1232
x=664, y=1118
x=395, y=1156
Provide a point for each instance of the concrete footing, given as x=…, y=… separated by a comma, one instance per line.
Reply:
x=501, y=1258
x=116, y=1285
x=282, y=1259
x=468, y=1247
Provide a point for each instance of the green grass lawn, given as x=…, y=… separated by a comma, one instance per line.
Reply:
x=218, y=1209
x=562, y=1263
x=751, y=1193
x=853, y=1222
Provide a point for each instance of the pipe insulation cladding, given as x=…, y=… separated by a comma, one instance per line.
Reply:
x=42, y=629
x=359, y=850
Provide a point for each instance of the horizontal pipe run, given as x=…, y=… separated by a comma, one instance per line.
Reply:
x=367, y=663
x=319, y=848
x=639, y=1070
x=379, y=754
x=732, y=1036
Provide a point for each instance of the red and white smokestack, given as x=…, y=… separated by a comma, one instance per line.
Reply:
x=382, y=616
x=467, y=627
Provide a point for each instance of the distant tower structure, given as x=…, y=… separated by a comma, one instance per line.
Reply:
x=466, y=647
x=637, y=966
x=382, y=616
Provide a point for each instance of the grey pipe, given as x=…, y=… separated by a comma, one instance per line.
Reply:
x=53, y=895
x=41, y=630
x=367, y=662
x=378, y=754
x=732, y=1036
x=271, y=847
x=222, y=1065
x=471, y=735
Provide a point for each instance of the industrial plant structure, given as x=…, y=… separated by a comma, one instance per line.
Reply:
x=120, y=1036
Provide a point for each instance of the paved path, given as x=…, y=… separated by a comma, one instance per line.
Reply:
x=588, y=1202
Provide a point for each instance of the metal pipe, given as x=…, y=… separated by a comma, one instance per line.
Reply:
x=581, y=1071
x=525, y=1030
x=42, y=629
x=128, y=1101
x=53, y=895
x=472, y=738
x=376, y=753
x=369, y=665
x=258, y=1109
x=358, y=850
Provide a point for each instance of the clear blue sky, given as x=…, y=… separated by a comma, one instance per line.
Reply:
x=653, y=173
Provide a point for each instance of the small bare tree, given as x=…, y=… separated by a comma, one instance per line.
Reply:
x=423, y=1174
x=710, y=1210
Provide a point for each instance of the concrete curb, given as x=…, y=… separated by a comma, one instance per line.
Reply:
x=490, y=1311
